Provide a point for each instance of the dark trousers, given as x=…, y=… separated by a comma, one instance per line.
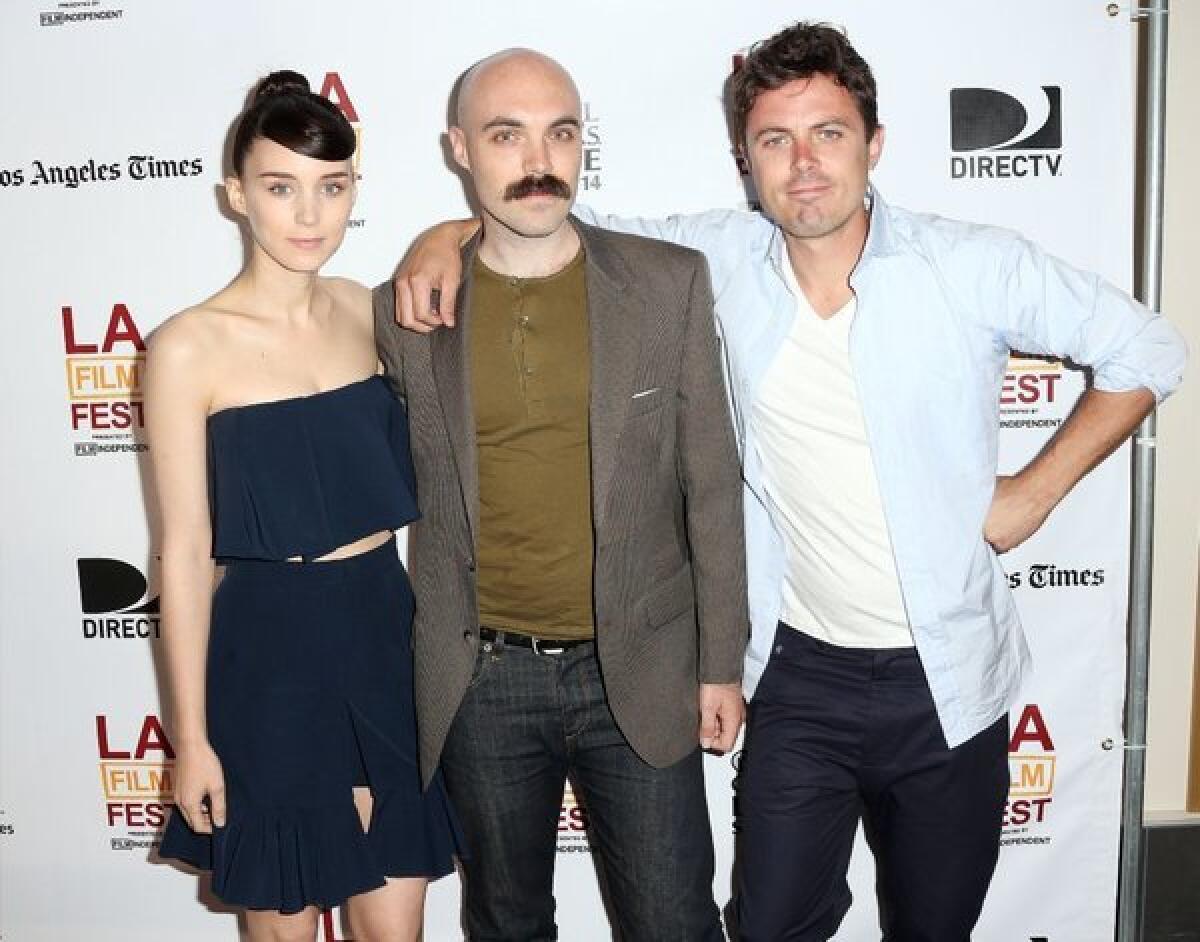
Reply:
x=835, y=734
x=527, y=722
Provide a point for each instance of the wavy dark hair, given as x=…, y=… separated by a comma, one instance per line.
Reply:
x=284, y=109
x=799, y=52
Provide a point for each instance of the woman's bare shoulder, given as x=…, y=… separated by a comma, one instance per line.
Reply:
x=346, y=288
x=188, y=335
x=349, y=295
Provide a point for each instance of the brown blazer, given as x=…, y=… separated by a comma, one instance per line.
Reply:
x=670, y=577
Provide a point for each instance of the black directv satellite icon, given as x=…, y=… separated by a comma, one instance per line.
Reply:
x=111, y=585
x=987, y=119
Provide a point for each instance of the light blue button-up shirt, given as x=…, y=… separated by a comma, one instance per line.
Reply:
x=941, y=304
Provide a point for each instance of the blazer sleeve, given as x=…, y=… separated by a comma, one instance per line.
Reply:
x=388, y=337
x=711, y=477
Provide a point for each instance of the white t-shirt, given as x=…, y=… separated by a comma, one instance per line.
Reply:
x=840, y=583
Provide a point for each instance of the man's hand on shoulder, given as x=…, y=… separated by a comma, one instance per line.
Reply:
x=722, y=711
x=426, y=281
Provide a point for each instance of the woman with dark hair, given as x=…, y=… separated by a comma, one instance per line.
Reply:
x=281, y=454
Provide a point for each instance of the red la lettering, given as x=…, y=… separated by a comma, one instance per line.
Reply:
x=69, y=341
x=121, y=328
x=1031, y=727
x=154, y=738
x=333, y=89
x=106, y=752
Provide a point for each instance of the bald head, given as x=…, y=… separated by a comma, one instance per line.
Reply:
x=508, y=76
x=519, y=134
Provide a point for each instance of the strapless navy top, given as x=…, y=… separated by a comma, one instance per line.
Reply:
x=303, y=476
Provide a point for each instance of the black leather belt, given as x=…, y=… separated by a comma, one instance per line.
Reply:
x=539, y=645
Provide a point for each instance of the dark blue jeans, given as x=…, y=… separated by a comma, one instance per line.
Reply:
x=835, y=734
x=527, y=722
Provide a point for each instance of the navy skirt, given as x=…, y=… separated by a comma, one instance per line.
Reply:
x=310, y=692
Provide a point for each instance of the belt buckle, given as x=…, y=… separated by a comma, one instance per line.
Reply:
x=543, y=647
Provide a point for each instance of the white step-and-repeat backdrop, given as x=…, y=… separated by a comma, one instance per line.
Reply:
x=110, y=196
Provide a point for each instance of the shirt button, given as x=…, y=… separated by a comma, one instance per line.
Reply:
x=524, y=320
x=529, y=371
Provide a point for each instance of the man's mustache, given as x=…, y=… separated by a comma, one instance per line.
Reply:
x=547, y=185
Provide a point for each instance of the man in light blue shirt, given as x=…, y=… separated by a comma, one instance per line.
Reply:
x=886, y=648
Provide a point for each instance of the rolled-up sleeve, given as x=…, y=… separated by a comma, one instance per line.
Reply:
x=1049, y=307
x=1144, y=348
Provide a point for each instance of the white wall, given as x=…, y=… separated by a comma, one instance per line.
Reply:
x=1177, y=517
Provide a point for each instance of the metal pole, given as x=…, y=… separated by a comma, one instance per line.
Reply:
x=1131, y=888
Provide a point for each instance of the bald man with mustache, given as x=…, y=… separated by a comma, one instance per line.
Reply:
x=579, y=568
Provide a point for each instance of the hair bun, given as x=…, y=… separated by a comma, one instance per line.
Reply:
x=283, y=82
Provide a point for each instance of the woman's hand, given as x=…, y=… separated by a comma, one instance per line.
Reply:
x=199, y=776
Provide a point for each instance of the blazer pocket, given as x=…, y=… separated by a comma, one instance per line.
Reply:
x=674, y=596
x=647, y=400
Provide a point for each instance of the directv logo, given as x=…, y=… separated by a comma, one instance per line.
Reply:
x=116, y=600
x=998, y=135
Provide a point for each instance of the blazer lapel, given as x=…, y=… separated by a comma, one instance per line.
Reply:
x=615, y=317
x=452, y=375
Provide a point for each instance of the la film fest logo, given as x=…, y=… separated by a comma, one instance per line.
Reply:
x=76, y=12
x=115, y=600
x=104, y=368
x=1031, y=766
x=333, y=88
x=572, y=825
x=1033, y=394
x=1001, y=135
x=137, y=764
x=591, y=169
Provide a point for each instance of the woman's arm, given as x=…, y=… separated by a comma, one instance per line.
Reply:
x=178, y=393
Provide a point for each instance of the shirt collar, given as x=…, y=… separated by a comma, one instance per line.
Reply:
x=881, y=236
x=881, y=239
x=776, y=253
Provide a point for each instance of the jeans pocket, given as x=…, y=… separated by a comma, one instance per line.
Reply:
x=483, y=657
x=771, y=668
